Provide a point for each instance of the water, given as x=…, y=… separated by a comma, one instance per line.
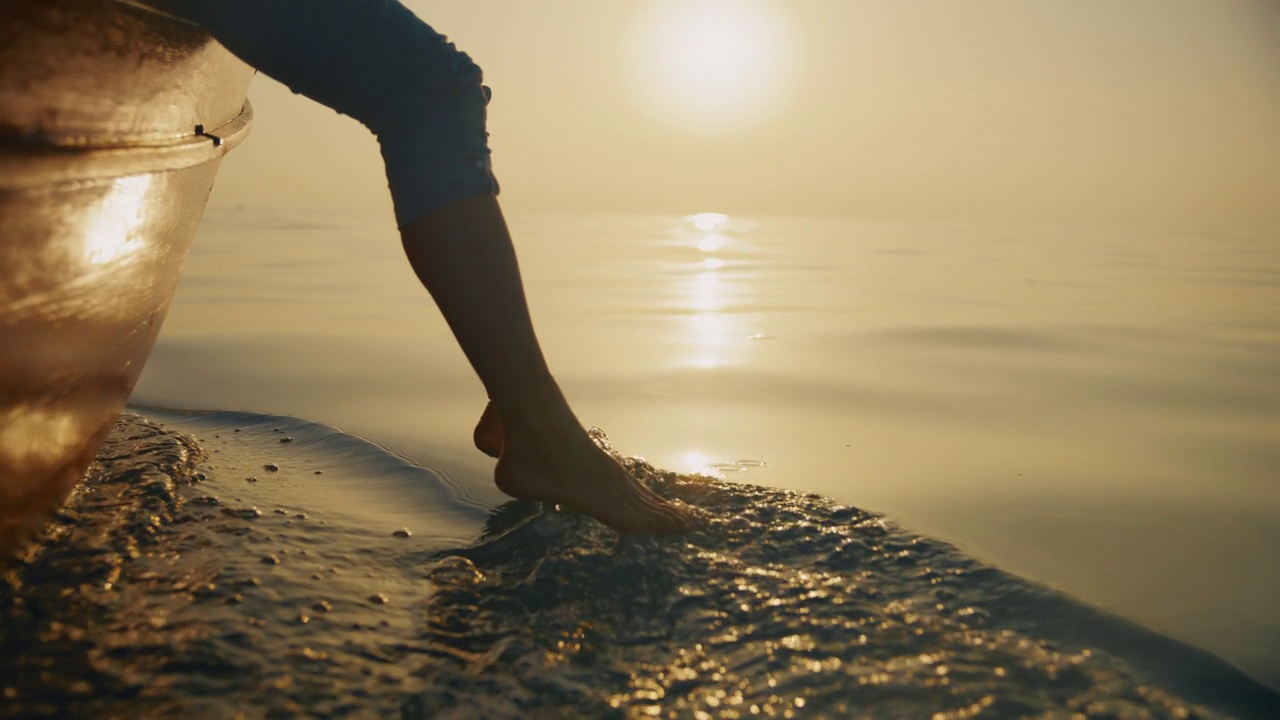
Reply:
x=1095, y=411
x=214, y=583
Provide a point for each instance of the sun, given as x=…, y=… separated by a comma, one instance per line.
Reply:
x=711, y=65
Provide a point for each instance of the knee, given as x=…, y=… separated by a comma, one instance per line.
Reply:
x=435, y=147
x=428, y=107
x=377, y=62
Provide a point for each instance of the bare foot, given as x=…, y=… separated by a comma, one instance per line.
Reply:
x=488, y=436
x=574, y=472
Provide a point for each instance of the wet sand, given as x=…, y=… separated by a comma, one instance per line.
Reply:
x=259, y=568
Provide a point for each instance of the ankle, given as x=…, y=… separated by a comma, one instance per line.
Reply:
x=537, y=410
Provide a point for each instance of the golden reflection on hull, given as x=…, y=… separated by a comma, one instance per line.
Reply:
x=113, y=121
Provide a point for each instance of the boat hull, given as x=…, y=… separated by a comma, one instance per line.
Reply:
x=113, y=122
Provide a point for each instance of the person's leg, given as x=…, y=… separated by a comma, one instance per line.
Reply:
x=464, y=256
x=488, y=433
x=374, y=60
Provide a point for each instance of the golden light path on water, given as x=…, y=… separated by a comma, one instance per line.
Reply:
x=714, y=332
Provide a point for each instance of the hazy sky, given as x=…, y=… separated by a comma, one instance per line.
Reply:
x=1149, y=111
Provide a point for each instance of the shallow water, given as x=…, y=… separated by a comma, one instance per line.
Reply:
x=1098, y=410
x=204, y=582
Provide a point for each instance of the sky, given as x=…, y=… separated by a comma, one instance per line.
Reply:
x=1148, y=112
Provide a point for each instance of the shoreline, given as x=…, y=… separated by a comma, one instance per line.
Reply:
x=209, y=563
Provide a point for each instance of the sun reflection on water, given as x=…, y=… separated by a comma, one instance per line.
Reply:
x=707, y=294
x=711, y=242
x=710, y=328
x=700, y=463
x=696, y=462
x=708, y=221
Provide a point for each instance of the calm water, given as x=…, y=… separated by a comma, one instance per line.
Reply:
x=1097, y=411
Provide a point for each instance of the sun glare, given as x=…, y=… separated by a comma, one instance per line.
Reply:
x=708, y=220
x=711, y=65
x=114, y=234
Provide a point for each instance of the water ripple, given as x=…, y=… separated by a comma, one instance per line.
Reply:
x=162, y=590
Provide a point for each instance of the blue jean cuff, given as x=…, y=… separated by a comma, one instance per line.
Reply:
x=435, y=149
x=419, y=189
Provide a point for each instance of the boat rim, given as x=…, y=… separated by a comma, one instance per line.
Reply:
x=27, y=166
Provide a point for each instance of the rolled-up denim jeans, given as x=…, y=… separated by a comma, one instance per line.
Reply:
x=377, y=62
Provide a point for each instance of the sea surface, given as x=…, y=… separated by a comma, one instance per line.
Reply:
x=958, y=469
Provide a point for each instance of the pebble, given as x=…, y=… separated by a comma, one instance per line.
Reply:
x=243, y=513
x=80, y=687
x=303, y=618
x=235, y=599
x=286, y=439
x=322, y=606
x=379, y=599
x=271, y=467
x=402, y=533
x=251, y=479
x=281, y=683
x=270, y=560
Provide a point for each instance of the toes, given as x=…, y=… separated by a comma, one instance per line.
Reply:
x=685, y=519
x=595, y=485
x=665, y=518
